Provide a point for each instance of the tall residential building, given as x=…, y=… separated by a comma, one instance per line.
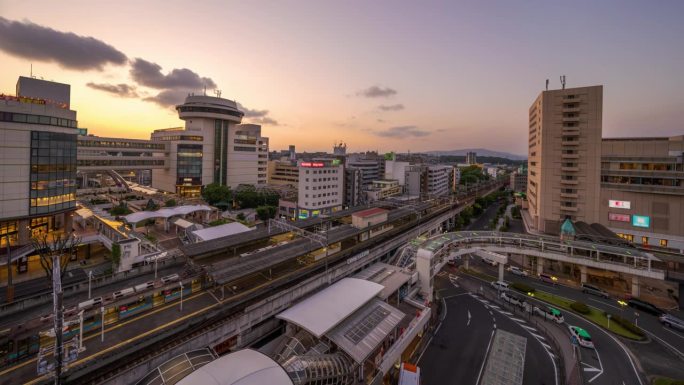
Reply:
x=372, y=168
x=213, y=147
x=471, y=157
x=353, y=187
x=518, y=181
x=320, y=191
x=565, y=157
x=38, y=135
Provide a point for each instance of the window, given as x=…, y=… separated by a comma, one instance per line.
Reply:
x=663, y=243
x=644, y=240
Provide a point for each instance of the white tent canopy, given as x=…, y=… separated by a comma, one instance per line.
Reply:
x=165, y=213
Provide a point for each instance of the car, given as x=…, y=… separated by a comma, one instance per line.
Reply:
x=590, y=289
x=581, y=336
x=512, y=299
x=499, y=285
x=489, y=261
x=549, y=313
x=645, y=307
x=518, y=271
x=672, y=322
x=548, y=278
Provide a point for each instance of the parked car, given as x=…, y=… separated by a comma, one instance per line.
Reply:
x=499, y=285
x=583, y=338
x=590, y=289
x=548, y=278
x=672, y=322
x=645, y=306
x=512, y=299
x=518, y=271
x=549, y=313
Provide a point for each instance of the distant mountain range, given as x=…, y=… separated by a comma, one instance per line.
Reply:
x=480, y=152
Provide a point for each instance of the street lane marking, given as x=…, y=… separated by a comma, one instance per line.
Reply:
x=603, y=303
x=538, y=336
x=673, y=332
x=484, y=361
x=508, y=313
x=665, y=343
x=468, y=324
x=600, y=364
x=518, y=320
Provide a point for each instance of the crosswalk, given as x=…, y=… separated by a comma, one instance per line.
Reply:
x=521, y=322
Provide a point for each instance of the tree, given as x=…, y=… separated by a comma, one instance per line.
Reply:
x=58, y=247
x=265, y=212
x=240, y=217
x=120, y=209
x=170, y=203
x=214, y=193
x=151, y=205
x=116, y=254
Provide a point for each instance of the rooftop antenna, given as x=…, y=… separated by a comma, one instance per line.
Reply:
x=562, y=79
x=218, y=93
x=205, y=90
x=31, y=69
x=547, y=84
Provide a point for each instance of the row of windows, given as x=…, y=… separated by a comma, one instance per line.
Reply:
x=244, y=141
x=212, y=110
x=37, y=119
x=193, y=138
x=321, y=195
x=241, y=148
x=643, y=181
x=324, y=203
x=325, y=187
x=117, y=144
x=646, y=166
x=328, y=171
x=120, y=162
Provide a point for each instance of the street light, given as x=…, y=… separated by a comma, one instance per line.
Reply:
x=102, y=322
x=80, y=332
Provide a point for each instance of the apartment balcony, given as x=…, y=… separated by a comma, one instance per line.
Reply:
x=571, y=109
x=571, y=209
x=571, y=119
x=576, y=99
x=570, y=133
x=569, y=182
x=569, y=195
x=570, y=156
x=569, y=169
x=570, y=142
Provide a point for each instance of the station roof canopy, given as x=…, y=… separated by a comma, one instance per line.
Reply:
x=221, y=231
x=165, y=213
x=361, y=333
x=370, y=212
x=244, y=367
x=390, y=276
x=327, y=308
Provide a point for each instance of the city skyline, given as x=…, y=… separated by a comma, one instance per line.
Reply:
x=414, y=78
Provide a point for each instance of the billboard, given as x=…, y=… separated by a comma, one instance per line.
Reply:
x=620, y=204
x=303, y=214
x=619, y=217
x=641, y=221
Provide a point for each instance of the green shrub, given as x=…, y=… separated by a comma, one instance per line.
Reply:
x=580, y=307
x=522, y=287
x=627, y=324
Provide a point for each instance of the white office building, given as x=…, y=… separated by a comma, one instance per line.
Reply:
x=321, y=187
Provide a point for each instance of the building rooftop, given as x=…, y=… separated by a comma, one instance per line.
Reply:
x=327, y=308
x=165, y=213
x=390, y=276
x=244, y=367
x=225, y=230
x=370, y=212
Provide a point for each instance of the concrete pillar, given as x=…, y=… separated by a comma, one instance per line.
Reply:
x=635, y=286
x=540, y=265
x=466, y=261
x=24, y=232
x=501, y=271
x=583, y=274
x=68, y=222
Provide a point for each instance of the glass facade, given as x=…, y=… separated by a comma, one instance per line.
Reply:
x=189, y=165
x=220, y=155
x=53, y=172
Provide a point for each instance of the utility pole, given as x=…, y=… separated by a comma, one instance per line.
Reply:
x=59, y=316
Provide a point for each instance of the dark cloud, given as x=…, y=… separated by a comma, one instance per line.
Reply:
x=32, y=41
x=402, y=132
x=122, y=90
x=249, y=113
x=393, y=107
x=377, y=92
x=149, y=74
x=168, y=98
x=257, y=116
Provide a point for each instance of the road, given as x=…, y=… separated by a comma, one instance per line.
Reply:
x=650, y=323
x=459, y=348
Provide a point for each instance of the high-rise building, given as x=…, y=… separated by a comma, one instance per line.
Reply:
x=38, y=135
x=353, y=187
x=213, y=147
x=565, y=157
x=471, y=157
x=320, y=189
x=283, y=172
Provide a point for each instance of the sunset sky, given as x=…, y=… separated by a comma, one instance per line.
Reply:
x=379, y=75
